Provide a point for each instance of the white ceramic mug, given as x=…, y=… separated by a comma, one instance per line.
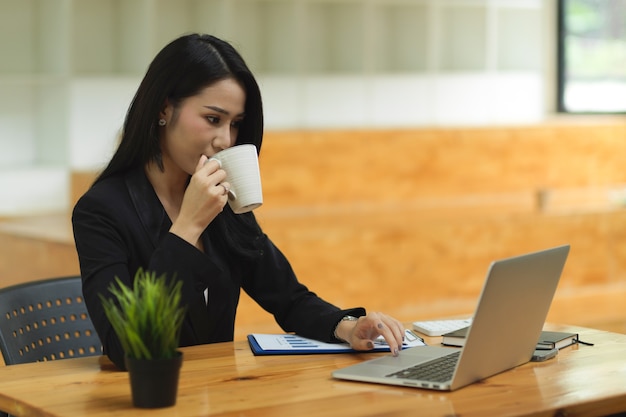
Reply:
x=241, y=164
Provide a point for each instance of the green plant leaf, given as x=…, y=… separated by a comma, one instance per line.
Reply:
x=148, y=317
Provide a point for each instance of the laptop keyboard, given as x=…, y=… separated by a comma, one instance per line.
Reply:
x=438, y=370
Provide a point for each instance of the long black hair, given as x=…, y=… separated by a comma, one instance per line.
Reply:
x=182, y=69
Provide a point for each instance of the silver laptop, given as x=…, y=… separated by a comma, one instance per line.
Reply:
x=508, y=320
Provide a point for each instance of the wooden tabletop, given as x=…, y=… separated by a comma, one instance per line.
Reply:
x=226, y=379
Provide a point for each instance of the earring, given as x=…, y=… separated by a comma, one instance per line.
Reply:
x=162, y=122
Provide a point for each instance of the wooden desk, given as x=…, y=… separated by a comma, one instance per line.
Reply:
x=227, y=380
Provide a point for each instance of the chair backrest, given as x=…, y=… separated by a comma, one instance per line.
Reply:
x=46, y=320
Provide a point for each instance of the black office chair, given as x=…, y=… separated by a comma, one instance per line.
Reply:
x=45, y=320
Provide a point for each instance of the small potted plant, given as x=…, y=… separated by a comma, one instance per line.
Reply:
x=147, y=319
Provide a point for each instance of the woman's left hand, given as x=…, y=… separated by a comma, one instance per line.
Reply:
x=362, y=333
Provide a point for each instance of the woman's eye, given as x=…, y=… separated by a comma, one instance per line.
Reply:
x=237, y=124
x=213, y=119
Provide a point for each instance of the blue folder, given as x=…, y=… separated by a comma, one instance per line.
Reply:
x=291, y=344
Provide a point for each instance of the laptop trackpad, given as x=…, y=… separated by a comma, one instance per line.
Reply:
x=413, y=356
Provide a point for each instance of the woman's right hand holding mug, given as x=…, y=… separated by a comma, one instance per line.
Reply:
x=204, y=198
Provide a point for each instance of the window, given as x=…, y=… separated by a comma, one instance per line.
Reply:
x=592, y=56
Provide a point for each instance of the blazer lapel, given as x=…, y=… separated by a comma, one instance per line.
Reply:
x=156, y=224
x=149, y=209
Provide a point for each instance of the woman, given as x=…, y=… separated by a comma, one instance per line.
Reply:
x=161, y=205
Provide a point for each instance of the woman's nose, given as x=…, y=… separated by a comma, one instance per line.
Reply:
x=223, y=139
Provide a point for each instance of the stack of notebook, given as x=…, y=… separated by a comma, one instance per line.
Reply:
x=547, y=340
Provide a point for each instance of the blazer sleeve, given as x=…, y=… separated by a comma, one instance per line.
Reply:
x=273, y=284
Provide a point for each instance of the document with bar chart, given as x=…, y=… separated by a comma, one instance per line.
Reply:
x=291, y=344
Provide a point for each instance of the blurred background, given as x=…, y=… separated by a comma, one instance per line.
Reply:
x=507, y=116
x=70, y=67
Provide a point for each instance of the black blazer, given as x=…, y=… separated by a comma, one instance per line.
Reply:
x=120, y=225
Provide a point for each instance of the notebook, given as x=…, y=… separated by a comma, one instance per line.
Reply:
x=506, y=325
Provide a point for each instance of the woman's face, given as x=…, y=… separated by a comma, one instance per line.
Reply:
x=203, y=124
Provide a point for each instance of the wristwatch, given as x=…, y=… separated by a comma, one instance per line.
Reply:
x=344, y=318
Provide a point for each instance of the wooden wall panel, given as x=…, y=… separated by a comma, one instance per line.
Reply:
x=408, y=221
x=25, y=258
x=413, y=268
x=313, y=169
